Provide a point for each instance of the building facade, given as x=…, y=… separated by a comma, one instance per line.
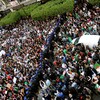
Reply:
x=10, y=4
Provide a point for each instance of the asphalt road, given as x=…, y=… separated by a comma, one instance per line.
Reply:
x=96, y=97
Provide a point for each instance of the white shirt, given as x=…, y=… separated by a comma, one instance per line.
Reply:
x=14, y=80
x=64, y=65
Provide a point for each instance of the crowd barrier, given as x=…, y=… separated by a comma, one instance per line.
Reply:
x=38, y=70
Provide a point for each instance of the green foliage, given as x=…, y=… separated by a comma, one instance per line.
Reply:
x=94, y=2
x=52, y=8
x=26, y=11
x=13, y=17
x=38, y=11
x=10, y=18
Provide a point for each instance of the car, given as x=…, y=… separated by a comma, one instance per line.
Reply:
x=87, y=40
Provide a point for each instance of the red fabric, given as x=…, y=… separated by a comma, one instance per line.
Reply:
x=81, y=97
x=89, y=54
x=57, y=80
x=81, y=54
x=6, y=72
x=55, y=63
x=72, y=57
x=9, y=77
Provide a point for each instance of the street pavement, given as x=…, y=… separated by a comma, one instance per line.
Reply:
x=96, y=97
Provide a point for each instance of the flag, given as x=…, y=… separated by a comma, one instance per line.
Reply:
x=96, y=65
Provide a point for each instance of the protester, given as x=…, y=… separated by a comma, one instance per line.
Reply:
x=19, y=55
x=67, y=71
x=73, y=73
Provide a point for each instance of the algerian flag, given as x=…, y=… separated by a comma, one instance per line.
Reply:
x=16, y=89
x=70, y=39
x=77, y=16
x=97, y=87
x=76, y=57
x=62, y=77
x=96, y=65
x=65, y=51
x=26, y=83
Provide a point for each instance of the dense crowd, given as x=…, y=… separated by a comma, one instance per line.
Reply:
x=75, y=71
x=68, y=70
x=19, y=55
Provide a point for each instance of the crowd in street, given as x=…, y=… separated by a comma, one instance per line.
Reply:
x=74, y=73
x=69, y=72
x=19, y=55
